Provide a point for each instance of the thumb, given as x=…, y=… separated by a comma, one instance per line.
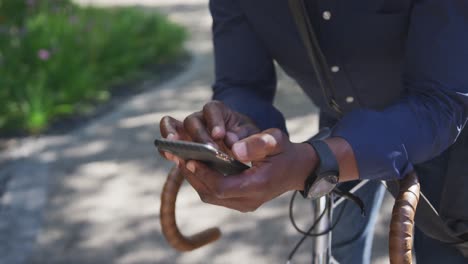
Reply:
x=259, y=146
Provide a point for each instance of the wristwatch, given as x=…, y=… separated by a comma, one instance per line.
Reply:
x=323, y=179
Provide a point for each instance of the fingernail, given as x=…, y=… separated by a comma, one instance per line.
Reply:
x=240, y=149
x=269, y=140
x=232, y=138
x=191, y=167
x=216, y=131
x=169, y=156
x=170, y=136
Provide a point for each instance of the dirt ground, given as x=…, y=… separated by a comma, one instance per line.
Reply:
x=92, y=195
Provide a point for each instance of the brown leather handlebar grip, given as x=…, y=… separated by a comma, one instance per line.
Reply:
x=168, y=219
x=402, y=222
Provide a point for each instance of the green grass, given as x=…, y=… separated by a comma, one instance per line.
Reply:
x=56, y=57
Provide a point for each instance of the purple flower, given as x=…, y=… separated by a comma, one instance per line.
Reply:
x=43, y=54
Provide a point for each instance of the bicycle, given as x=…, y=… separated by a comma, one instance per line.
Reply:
x=401, y=225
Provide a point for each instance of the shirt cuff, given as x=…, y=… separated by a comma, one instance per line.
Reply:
x=379, y=151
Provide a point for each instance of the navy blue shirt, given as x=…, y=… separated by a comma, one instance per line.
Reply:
x=400, y=68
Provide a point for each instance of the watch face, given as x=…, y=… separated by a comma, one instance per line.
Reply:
x=323, y=186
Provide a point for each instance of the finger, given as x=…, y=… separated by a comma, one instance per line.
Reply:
x=214, y=114
x=205, y=174
x=243, y=205
x=172, y=128
x=200, y=187
x=196, y=174
x=166, y=155
x=246, y=130
x=169, y=131
x=240, y=132
x=231, y=138
x=259, y=146
x=238, y=199
x=170, y=156
x=244, y=184
x=196, y=128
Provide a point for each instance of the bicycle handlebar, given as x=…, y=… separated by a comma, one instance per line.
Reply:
x=168, y=219
x=401, y=225
x=402, y=222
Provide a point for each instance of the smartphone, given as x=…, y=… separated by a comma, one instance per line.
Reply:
x=205, y=153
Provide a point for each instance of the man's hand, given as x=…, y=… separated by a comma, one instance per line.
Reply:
x=216, y=124
x=278, y=166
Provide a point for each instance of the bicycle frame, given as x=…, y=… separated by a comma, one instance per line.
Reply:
x=322, y=253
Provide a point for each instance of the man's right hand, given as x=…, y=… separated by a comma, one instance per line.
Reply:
x=216, y=124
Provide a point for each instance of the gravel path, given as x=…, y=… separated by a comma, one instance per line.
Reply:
x=92, y=196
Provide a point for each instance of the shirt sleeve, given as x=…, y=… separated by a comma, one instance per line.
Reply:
x=245, y=74
x=434, y=109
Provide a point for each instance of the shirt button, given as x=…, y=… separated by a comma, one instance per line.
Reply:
x=326, y=15
x=335, y=69
x=349, y=99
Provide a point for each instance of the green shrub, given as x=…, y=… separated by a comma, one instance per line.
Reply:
x=55, y=55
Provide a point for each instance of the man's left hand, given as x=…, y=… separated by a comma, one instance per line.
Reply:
x=278, y=166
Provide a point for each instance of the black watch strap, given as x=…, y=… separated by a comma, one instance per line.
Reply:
x=327, y=163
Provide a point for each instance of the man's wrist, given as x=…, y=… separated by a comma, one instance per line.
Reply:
x=308, y=162
x=345, y=156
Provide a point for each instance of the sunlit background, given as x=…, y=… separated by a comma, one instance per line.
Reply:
x=83, y=85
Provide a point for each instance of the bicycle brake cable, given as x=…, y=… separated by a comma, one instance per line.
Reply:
x=307, y=233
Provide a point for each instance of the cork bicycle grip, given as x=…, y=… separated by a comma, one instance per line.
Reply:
x=402, y=222
x=168, y=219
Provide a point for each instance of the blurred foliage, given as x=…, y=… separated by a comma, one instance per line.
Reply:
x=55, y=56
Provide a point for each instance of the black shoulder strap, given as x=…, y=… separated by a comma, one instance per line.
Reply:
x=314, y=53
